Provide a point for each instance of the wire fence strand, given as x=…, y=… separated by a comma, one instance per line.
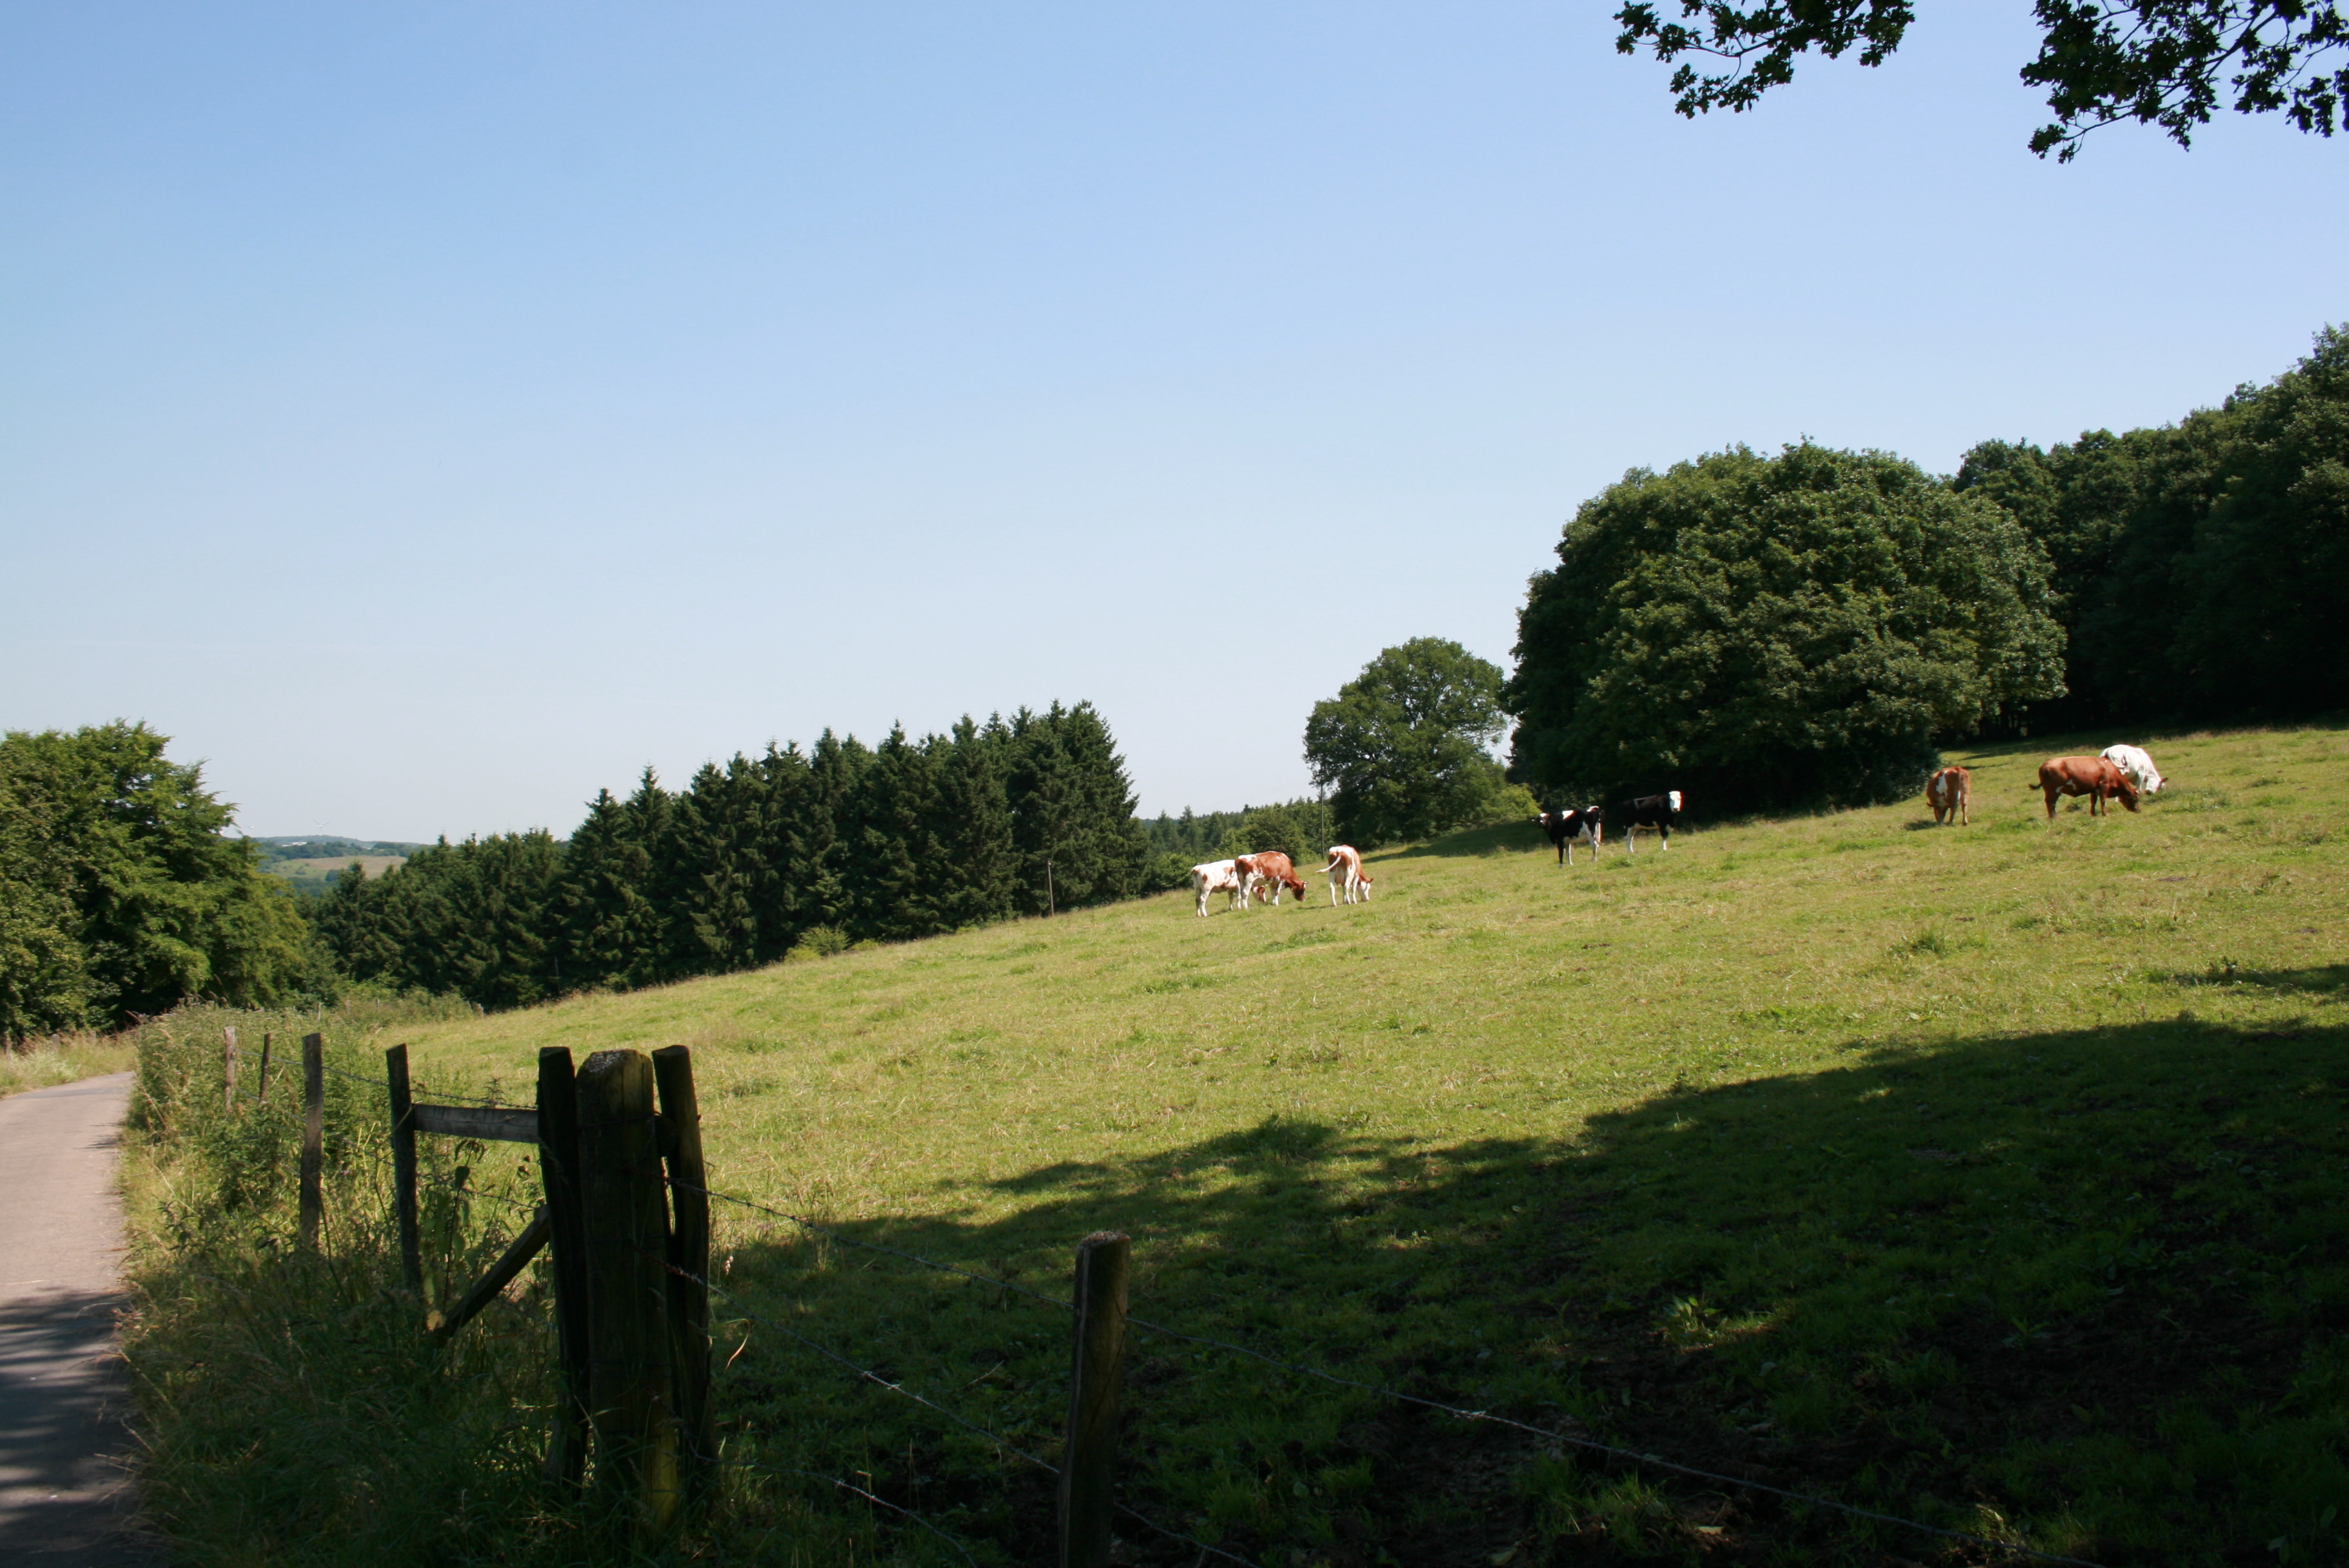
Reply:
x=1632, y=1455
x=869, y=1497
x=808, y=1224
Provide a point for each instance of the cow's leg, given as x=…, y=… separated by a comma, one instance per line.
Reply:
x=1665, y=830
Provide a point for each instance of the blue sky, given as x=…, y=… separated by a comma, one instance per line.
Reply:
x=429, y=415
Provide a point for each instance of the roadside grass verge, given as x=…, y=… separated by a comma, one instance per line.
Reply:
x=1987, y=1176
x=63, y=1058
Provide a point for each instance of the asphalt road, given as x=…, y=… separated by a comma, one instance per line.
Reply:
x=65, y=1498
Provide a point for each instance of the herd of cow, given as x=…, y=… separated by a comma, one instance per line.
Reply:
x=1245, y=876
x=2122, y=773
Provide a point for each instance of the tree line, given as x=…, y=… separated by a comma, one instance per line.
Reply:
x=811, y=850
x=1809, y=628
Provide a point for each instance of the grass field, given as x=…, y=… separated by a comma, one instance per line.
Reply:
x=1990, y=1176
x=316, y=873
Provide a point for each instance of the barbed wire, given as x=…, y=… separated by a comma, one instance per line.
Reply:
x=1634, y=1455
x=417, y=1095
x=808, y=1224
x=867, y=1375
x=1187, y=1539
x=851, y=1486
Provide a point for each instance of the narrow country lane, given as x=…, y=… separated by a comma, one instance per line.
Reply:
x=64, y=1499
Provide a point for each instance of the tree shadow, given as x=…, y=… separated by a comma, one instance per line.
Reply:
x=1476, y=843
x=64, y=1493
x=2087, y=1281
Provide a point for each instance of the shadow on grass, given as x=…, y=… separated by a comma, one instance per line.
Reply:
x=1508, y=839
x=2086, y=1282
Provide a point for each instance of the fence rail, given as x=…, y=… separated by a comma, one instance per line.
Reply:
x=625, y=1219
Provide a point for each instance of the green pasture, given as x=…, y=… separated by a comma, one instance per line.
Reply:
x=1990, y=1176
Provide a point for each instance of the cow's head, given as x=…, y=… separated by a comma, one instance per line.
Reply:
x=2126, y=790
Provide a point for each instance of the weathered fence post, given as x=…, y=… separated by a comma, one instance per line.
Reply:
x=228, y=1067
x=1096, y=1383
x=314, y=1135
x=262, y=1098
x=403, y=1165
x=689, y=1256
x=629, y=1395
x=558, y=1163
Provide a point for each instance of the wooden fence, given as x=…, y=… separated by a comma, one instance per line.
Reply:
x=625, y=1219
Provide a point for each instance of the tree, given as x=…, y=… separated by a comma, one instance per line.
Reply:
x=1776, y=630
x=1403, y=745
x=2157, y=62
x=120, y=892
x=2201, y=569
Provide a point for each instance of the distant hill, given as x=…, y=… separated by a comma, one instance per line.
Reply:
x=311, y=863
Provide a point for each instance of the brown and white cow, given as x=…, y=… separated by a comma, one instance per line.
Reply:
x=1214, y=877
x=1949, y=792
x=2097, y=778
x=1345, y=870
x=1268, y=869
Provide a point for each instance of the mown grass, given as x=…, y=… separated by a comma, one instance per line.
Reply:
x=1990, y=1177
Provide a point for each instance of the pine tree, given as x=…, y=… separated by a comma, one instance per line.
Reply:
x=610, y=930
x=978, y=857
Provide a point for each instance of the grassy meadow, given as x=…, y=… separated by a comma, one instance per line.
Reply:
x=1988, y=1176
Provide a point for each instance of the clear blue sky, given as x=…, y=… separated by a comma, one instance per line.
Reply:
x=429, y=414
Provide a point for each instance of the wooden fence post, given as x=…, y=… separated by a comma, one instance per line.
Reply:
x=314, y=1137
x=228, y=1067
x=688, y=1255
x=629, y=1395
x=1096, y=1383
x=263, y=1097
x=558, y=1163
x=403, y=1165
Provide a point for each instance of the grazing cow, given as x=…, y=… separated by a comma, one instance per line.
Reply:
x=1948, y=793
x=2094, y=776
x=1657, y=811
x=2133, y=762
x=1568, y=829
x=1268, y=867
x=1345, y=870
x=1215, y=876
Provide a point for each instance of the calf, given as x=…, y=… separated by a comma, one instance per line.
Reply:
x=1345, y=868
x=2094, y=776
x=1214, y=877
x=1568, y=829
x=1657, y=811
x=1267, y=866
x=1949, y=792
x=2137, y=767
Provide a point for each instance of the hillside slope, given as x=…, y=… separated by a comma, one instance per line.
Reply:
x=1988, y=1176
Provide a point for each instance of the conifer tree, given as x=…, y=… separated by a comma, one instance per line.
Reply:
x=890, y=827
x=979, y=859
x=611, y=934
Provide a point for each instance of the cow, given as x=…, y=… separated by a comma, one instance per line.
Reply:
x=1345, y=870
x=2132, y=762
x=1214, y=877
x=1657, y=811
x=2094, y=776
x=1568, y=829
x=1949, y=792
x=1268, y=867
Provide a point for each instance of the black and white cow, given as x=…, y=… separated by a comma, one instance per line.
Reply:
x=1657, y=811
x=1568, y=829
